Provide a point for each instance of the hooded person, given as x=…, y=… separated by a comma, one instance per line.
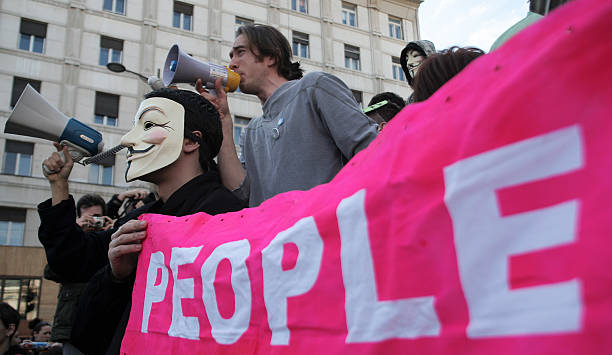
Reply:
x=175, y=137
x=413, y=55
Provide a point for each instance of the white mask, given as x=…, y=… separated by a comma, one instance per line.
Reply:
x=414, y=60
x=156, y=140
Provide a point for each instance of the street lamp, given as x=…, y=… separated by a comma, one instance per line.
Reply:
x=120, y=68
x=154, y=82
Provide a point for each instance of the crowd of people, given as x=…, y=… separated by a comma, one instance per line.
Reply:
x=183, y=144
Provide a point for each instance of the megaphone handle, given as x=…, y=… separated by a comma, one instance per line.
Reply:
x=77, y=153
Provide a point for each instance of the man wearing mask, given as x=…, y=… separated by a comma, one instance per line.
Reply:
x=411, y=58
x=309, y=128
x=175, y=137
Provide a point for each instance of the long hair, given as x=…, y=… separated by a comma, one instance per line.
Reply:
x=269, y=42
x=200, y=115
x=439, y=68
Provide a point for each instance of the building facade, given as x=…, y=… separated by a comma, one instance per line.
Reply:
x=61, y=48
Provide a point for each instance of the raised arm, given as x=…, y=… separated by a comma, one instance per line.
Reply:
x=230, y=168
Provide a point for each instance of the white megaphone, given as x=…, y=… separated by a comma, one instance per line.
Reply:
x=33, y=116
x=180, y=67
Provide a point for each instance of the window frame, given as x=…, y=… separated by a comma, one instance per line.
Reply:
x=106, y=107
x=20, y=154
x=296, y=6
x=397, y=24
x=347, y=9
x=299, y=41
x=241, y=21
x=352, y=55
x=10, y=216
x=30, y=31
x=396, y=66
x=100, y=170
x=22, y=280
x=112, y=46
x=113, y=8
x=184, y=11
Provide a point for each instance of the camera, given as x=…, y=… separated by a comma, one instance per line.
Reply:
x=99, y=222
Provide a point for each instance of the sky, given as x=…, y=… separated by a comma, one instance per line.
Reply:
x=474, y=23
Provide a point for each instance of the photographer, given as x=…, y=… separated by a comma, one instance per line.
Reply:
x=130, y=200
x=91, y=214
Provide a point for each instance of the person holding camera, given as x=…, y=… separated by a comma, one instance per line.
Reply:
x=91, y=214
x=90, y=210
x=130, y=200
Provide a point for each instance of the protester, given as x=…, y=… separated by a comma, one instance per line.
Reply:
x=175, y=138
x=411, y=58
x=91, y=217
x=41, y=331
x=130, y=200
x=91, y=213
x=383, y=107
x=309, y=128
x=440, y=68
x=9, y=337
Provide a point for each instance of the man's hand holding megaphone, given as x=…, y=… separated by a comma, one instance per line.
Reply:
x=56, y=169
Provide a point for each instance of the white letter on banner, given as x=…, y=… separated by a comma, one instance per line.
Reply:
x=228, y=331
x=154, y=294
x=181, y=326
x=279, y=284
x=484, y=239
x=370, y=320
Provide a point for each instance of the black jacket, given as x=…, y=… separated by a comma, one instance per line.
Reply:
x=77, y=256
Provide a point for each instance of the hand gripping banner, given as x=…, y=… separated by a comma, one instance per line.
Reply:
x=478, y=222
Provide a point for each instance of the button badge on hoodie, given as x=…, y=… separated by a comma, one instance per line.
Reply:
x=275, y=131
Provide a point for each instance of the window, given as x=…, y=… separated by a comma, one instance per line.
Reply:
x=110, y=50
x=182, y=16
x=358, y=95
x=32, y=35
x=102, y=172
x=300, y=5
x=116, y=6
x=106, y=109
x=300, y=44
x=241, y=21
x=21, y=293
x=349, y=14
x=240, y=124
x=18, y=158
x=12, y=226
x=395, y=28
x=398, y=72
x=351, y=57
x=19, y=84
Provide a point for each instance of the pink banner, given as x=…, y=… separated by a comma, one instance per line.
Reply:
x=477, y=223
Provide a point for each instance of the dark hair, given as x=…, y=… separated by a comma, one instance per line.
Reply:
x=439, y=68
x=9, y=316
x=90, y=200
x=269, y=42
x=384, y=113
x=389, y=96
x=36, y=324
x=200, y=115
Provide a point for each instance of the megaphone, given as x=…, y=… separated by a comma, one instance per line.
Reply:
x=33, y=116
x=180, y=67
